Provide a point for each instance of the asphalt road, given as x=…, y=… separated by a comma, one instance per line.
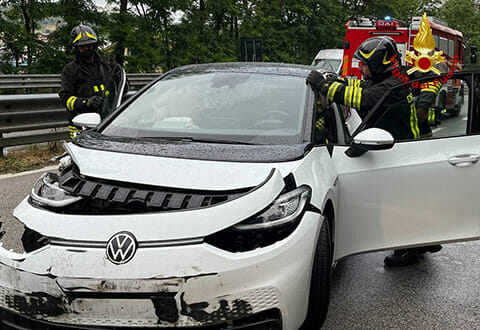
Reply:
x=442, y=291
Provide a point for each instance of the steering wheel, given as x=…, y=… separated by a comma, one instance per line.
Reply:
x=273, y=119
x=277, y=115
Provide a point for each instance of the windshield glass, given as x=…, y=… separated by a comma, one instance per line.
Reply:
x=223, y=106
x=328, y=64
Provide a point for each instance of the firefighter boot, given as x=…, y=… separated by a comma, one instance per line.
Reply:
x=430, y=248
x=402, y=257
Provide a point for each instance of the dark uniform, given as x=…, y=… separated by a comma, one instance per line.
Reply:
x=400, y=118
x=424, y=103
x=85, y=85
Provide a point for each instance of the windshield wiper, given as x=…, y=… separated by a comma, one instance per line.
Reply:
x=195, y=139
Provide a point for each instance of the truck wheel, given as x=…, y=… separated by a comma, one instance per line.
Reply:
x=319, y=296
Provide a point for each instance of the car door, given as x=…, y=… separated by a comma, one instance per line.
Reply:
x=420, y=191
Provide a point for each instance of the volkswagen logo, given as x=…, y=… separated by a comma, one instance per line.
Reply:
x=121, y=247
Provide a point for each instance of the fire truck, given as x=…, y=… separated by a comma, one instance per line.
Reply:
x=449, y=40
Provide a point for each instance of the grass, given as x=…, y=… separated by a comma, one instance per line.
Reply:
x=31, y=158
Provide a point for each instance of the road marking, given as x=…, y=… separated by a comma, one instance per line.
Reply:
x=465, y=118
x=13, y=175
x=438, y=129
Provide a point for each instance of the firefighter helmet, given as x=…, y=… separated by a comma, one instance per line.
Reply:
x=377, y=53
x=82, y=35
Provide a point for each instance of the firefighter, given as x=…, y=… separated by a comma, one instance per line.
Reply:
x=427, y=114
x=376, y=56
x=87, y=78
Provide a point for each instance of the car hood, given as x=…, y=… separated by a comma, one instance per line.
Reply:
x=173, y=172
x=153, y=226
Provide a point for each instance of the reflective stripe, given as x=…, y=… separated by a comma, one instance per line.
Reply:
x=71, y=102
x=77, y=38
x=354, y=82
x=431, y=116
x=320, y=124
x=410, y=98
x=351, y=97
x=345, y=65
x=331, y=90
x=369, y=54
x=358, y=98
x=90, y=35
x=345, y=95
x=73, y=131
x=413, y=117
x=95, y=89
x=102, y=87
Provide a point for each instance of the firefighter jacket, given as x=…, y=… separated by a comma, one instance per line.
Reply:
x=81, y=80
x=400, y=117
x=425, y=101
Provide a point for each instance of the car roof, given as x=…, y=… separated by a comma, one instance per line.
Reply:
x=330, y=54
x=247, y=67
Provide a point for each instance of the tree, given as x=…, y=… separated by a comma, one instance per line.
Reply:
x=463, y=16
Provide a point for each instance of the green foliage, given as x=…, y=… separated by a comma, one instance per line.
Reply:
x=157, y=35
x=463, y=15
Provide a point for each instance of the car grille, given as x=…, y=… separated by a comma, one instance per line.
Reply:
x=266, y=320
x=111, y=197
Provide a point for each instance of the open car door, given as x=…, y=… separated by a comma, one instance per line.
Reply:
x=419, y=192
x=116, y=88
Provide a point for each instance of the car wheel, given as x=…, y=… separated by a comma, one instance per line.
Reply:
x=319, y=296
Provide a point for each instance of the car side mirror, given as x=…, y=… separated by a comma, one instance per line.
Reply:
x=87, y=120
x=370, y=139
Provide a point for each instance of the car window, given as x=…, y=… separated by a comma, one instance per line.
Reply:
x=427, y=109
x=258, y=108
x=328, y=64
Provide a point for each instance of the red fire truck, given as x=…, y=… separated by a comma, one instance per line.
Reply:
x=447, y=39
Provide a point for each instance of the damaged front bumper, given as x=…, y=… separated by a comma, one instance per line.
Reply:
x=194, y=285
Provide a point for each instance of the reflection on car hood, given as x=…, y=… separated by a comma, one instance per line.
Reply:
x=194, y=150
x=142, y=168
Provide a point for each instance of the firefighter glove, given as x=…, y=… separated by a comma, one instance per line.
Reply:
x=95, y=102
x=317, y=81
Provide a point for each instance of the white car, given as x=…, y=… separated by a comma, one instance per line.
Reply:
x=213, y=199
x=329, y=60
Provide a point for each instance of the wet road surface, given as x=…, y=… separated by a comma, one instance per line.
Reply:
x=442, y=291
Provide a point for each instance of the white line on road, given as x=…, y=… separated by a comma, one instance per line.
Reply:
x=438, y=129
x=13, y=175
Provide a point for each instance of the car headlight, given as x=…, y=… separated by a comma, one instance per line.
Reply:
x=271, y=225
x=285, y=209
x=46, y=192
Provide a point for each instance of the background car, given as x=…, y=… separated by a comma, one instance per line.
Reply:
x=329, y=60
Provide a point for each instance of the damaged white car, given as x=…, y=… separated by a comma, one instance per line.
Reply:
x=220, y=197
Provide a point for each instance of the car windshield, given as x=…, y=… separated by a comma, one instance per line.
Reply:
x=327, y=64
x=217, y=107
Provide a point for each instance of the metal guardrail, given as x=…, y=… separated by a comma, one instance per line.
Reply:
x=36, y=118
x=28, y=81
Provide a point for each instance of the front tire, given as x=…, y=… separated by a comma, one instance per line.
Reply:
x=319, y=296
